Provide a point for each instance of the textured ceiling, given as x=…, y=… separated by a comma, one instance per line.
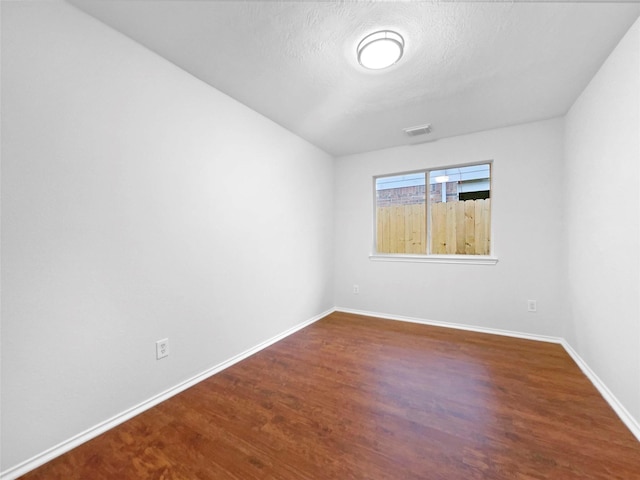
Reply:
x=467, y=66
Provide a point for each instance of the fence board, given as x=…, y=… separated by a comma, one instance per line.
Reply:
x=393, y=230
x=487, y=226
x=439, y=228
x=400, y=217
x=478, y=227
x=416, y=221
x=450, y=222
x=457, y=228
x=469, y=228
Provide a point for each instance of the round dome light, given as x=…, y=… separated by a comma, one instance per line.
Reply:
x=380, y=49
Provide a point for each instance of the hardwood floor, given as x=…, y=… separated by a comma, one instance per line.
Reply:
x=352, y=397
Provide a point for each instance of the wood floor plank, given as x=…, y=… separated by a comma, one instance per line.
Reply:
x=353, y=397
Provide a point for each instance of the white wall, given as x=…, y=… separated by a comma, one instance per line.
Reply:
x=138, y=203
x=527, y=227
x=603, y=217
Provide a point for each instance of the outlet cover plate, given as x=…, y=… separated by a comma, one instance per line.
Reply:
x=162, y=348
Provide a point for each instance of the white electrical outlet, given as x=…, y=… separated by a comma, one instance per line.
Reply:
x=162, y=348
x=532, y=306
x=356, y=289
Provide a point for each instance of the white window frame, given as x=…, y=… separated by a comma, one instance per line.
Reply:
x=427, y=257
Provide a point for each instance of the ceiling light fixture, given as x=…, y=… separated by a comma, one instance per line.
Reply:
x=380, y=49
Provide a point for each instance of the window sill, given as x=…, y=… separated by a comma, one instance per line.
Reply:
x=462, y=259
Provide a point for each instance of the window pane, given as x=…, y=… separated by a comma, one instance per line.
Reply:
x=460, y=210
x=401, y=214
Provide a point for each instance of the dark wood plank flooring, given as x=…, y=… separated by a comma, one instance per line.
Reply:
x=352, y=397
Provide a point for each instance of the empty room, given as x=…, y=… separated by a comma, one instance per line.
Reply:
x=308, y=240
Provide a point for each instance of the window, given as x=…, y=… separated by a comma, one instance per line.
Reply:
x=454, y=218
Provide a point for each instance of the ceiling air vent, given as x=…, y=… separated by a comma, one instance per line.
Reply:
x=419, y=130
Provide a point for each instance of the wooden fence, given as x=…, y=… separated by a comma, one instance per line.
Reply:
x=457, y=228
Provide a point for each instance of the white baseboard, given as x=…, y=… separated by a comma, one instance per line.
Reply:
x=67, y=445
x=457, y=326
x=610, y=398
